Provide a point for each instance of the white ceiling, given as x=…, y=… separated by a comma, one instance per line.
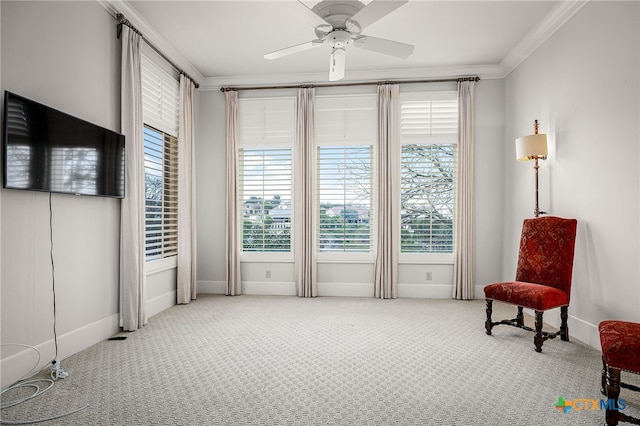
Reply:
x=222, y=42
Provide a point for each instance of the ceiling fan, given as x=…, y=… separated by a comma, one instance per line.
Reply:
x=339, y=23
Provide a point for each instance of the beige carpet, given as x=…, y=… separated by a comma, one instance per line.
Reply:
x=269, y=360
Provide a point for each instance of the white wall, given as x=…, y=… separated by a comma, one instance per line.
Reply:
x=65, y=55
x=582, y=84
x=347, y=279
x=210, y=178
x=490, y=151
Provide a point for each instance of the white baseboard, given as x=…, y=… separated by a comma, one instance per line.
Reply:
x=425, y=291
x=269, y=288
x=250, y=287
x=583, y=331
x=160, y=303
x=212, y=287
x=345, y=289
x=429, y=291
x=16, y=366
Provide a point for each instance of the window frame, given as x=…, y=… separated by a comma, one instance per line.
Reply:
x=257, y=254
x=279, y=143
x=351, y=257
x=340, y=255
x=319, y=142
x=160, y=110
x=451, y=138
x=169, y=177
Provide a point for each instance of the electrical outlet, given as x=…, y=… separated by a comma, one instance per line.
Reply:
x=267, y=273
x=429, y=277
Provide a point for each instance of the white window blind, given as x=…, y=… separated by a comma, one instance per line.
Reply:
x=345, y=135
x=429, y=117
x=161, y=194
x=266, y=122
x=160, y=113
x=345, y=120
x=429, y=123
x=266, y=137
x=266, y=199
x=160, y=98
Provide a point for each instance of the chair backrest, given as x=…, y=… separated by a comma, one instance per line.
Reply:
x=546, y=252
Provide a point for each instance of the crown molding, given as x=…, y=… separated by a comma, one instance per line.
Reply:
x=150, y=34
x=551, y=23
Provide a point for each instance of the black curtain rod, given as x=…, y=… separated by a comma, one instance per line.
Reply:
x=124, y=21
x=362, y=83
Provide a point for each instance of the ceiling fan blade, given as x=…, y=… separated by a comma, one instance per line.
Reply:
x=293, y=49
x=384, y=46
x=337, y=64
x=311, y=17
x=376, y=10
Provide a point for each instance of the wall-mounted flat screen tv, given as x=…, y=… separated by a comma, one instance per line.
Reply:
x=47, y=150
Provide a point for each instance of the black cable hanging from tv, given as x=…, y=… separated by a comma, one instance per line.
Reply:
x=53, y=277
x=56, y=370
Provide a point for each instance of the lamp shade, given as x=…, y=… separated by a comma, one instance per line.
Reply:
x=531, y=146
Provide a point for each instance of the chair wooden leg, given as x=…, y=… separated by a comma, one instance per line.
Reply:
x=564, y=328
x=613, y=392
x=487, y=325
x=538, y=339
x=520, y=317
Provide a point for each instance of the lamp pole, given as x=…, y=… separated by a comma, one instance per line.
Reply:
x=537, y=212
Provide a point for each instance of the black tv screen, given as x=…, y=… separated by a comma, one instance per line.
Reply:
x=47, y=150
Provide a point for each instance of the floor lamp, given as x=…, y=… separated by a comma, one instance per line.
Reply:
x=533, y=147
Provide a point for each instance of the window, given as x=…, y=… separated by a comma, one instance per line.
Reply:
x=345, y=155
x=344, y=189
x=266, y=135
x=266, y=199
x=160, y=99
x=428, y=172
x=161, y=194
x=345, y=135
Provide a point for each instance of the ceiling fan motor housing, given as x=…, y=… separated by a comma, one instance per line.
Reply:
x=339, y=39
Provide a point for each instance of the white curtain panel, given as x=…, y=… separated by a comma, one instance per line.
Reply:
x=187, y=281
x=464, y=270
x=132, y=255
x=304, y=194
x=234, y=283
x=388, y=174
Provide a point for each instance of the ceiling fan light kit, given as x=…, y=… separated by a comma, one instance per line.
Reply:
x=339, y=24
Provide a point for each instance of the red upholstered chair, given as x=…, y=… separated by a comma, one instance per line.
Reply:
x=543, y=276
x=620, y=342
